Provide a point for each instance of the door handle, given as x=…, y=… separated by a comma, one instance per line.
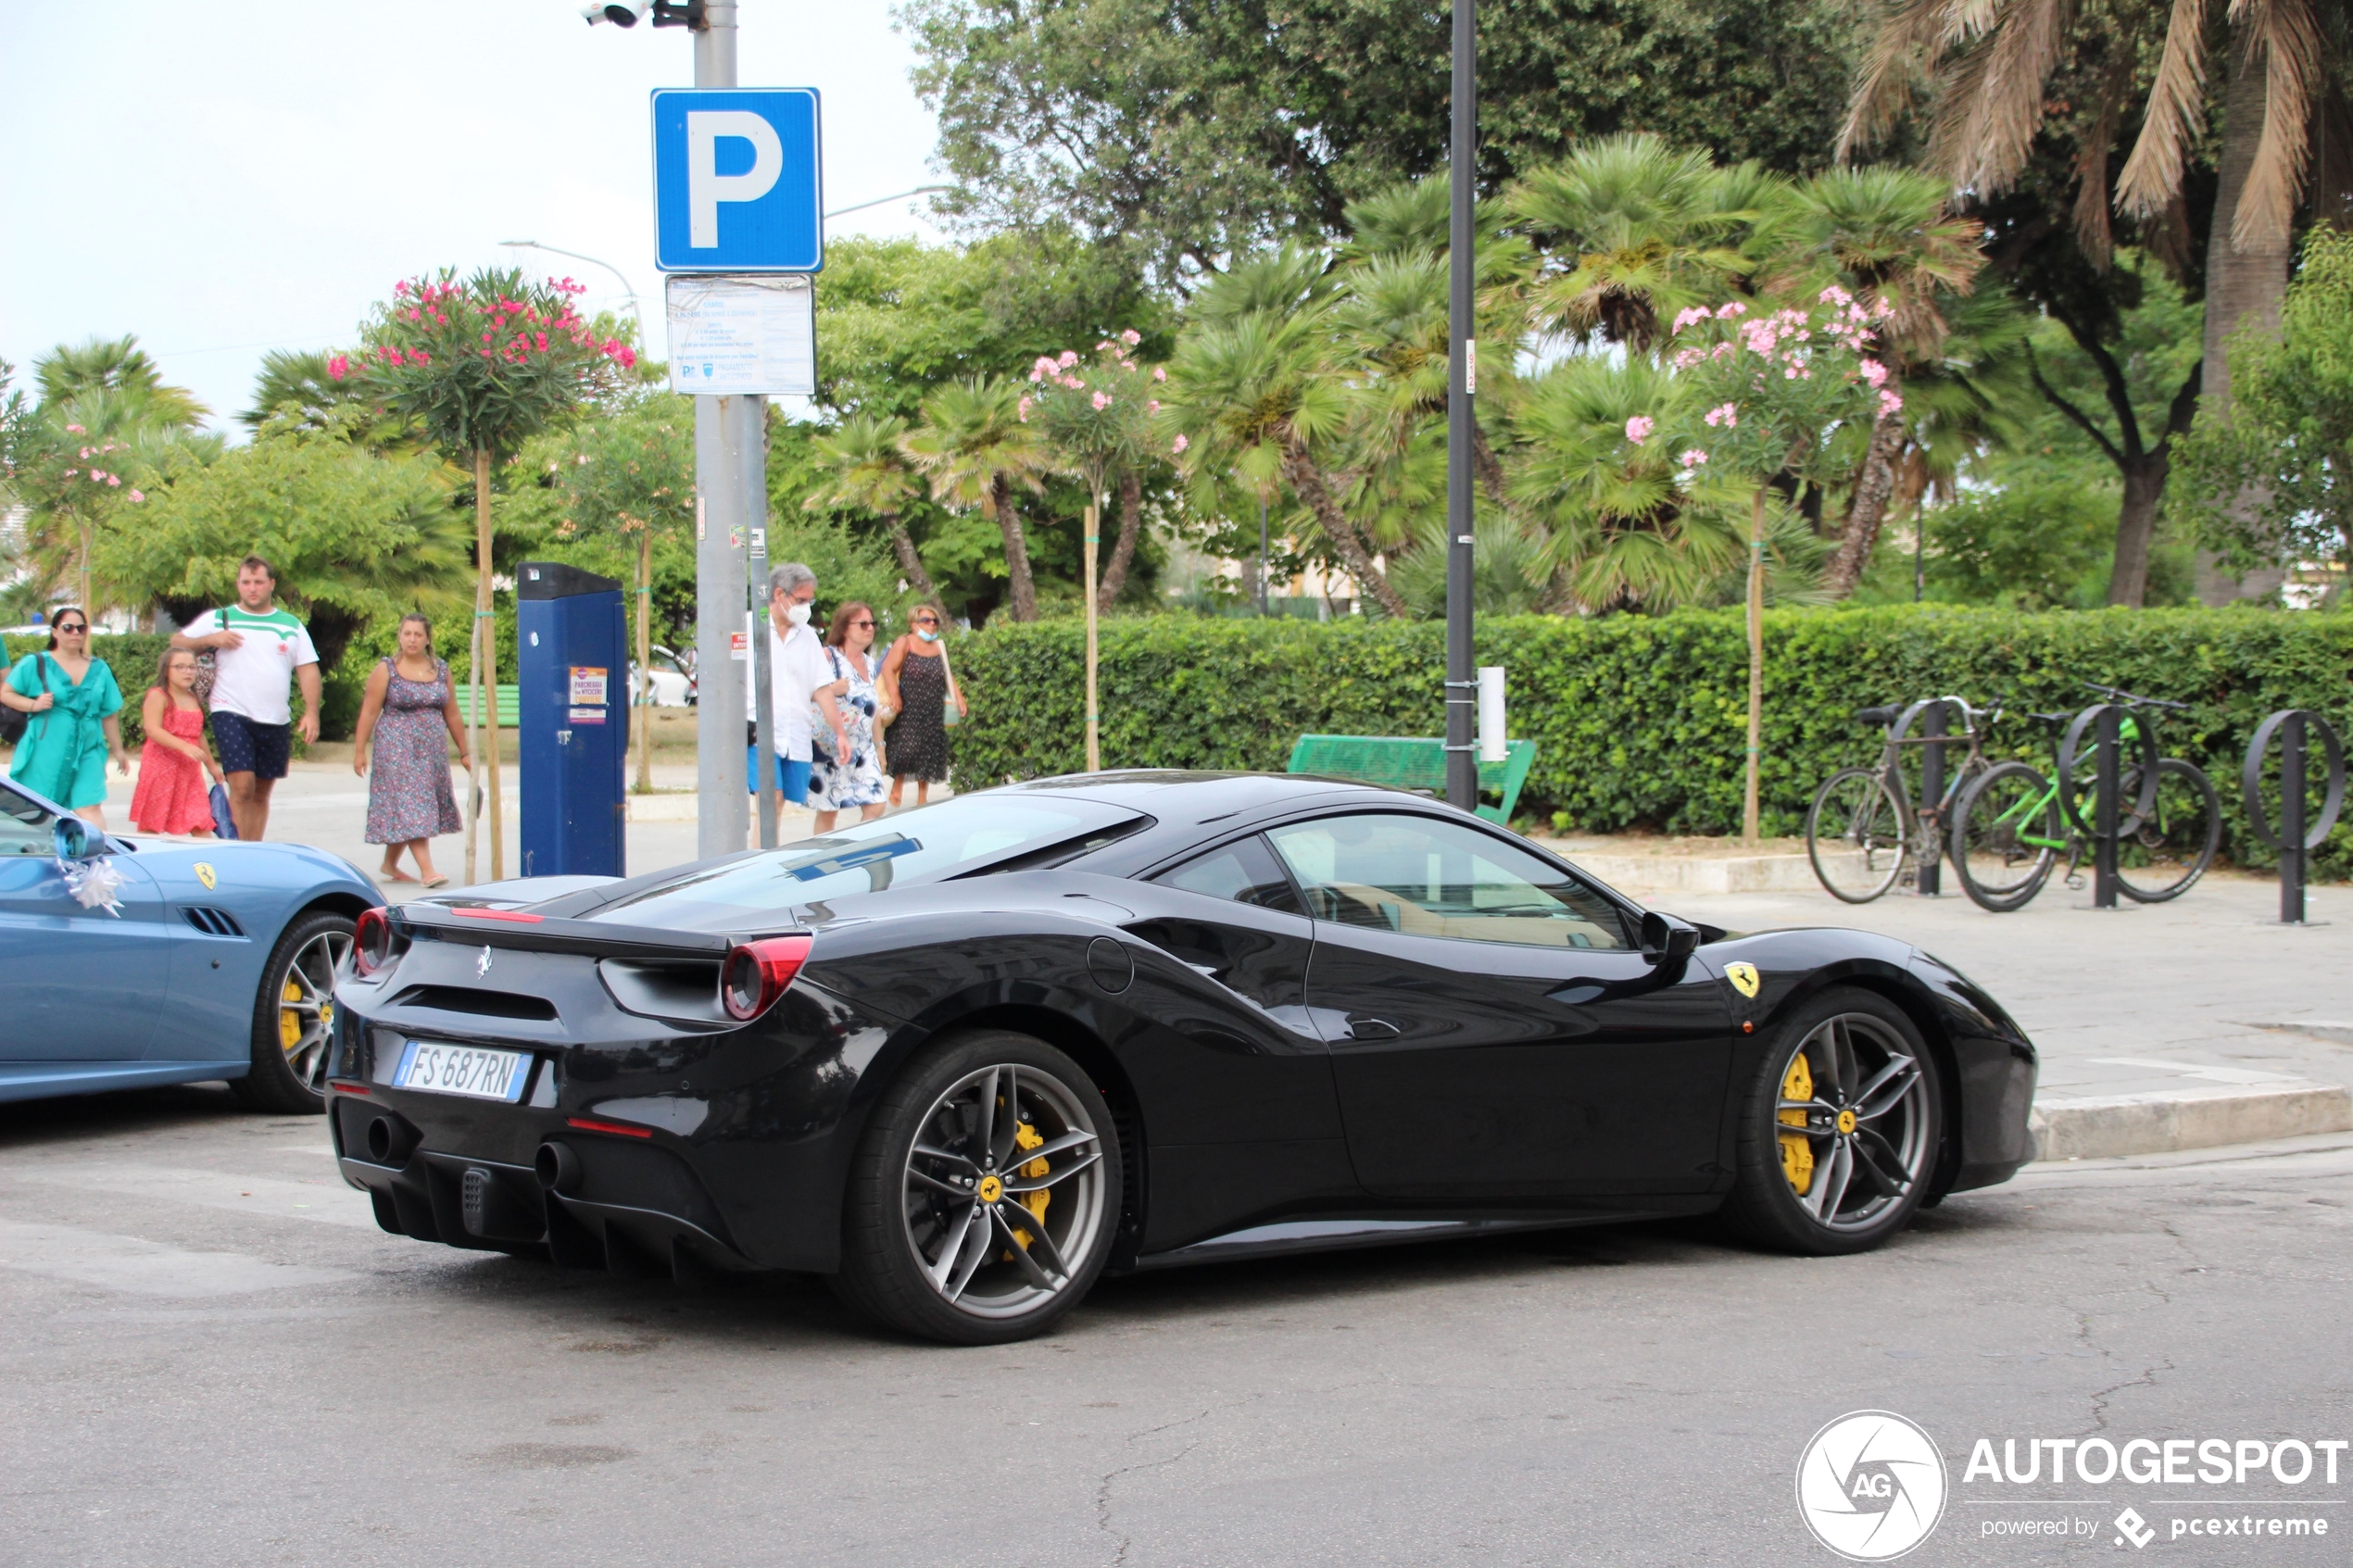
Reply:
x=1373, y=1029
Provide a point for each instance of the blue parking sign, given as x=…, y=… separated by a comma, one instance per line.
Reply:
x=737, y=181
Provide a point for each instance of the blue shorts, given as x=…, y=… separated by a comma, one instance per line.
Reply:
x=792, y=778
x=247, y=747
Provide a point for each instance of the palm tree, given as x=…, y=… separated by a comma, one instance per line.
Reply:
x=1252, y=395
x=117, y=365
x=1990, y=70
x=870, y=473
x=975, y=448
x=1885, y=235
x=1651, y=230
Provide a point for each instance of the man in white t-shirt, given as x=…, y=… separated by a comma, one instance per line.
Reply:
x=257, y=649
x=797, y=668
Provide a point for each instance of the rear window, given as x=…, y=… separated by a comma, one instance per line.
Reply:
x=969, y=834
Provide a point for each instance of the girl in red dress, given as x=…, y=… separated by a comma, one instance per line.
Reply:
x=173, y=796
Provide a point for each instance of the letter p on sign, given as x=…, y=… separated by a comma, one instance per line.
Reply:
x=737, y=181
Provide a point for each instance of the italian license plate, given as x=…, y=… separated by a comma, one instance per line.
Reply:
x=472, y=1071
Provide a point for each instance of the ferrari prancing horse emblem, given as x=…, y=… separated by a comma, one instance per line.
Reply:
x=481, y=964
x=204, y=874
x=1743, y=976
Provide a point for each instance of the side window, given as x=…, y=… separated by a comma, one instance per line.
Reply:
x=1244, y=871
x=1430, y=878
x=24, y=827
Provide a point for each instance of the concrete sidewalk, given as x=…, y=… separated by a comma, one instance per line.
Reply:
x=2168, y=1026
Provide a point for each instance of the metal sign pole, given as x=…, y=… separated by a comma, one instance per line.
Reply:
x=720, y=524
x=1462, y=686
x=2291, y=851
x=755, y=453
x=1934, y=726
x=2104, y=810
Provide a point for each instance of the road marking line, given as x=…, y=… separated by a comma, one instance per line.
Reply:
x=144, y=1268
x=272, y=1198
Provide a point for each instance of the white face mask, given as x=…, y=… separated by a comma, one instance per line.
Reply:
x=797, y=614
x=927, y=635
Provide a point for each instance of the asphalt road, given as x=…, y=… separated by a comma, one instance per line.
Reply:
x=213, y=1357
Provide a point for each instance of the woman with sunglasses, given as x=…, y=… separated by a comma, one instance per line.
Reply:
x=918, y=686
x=73, y=700
x=845, y=772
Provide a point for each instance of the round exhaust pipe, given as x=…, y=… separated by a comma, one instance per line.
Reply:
x=557, y=1168
x=387, y=1143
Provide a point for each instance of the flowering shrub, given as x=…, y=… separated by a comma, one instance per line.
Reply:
x=1776, y=384
x=487, y=363
x=1097, y=413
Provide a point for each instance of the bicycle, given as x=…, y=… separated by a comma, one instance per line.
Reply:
x=2017, y=819
x=1863, y=830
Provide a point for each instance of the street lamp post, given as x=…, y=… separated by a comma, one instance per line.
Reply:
x=626, y=287
x=1462, y=683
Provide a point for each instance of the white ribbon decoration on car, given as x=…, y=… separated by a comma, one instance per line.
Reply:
x=94, y=885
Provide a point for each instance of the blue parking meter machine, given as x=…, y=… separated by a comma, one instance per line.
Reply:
x=573, y=664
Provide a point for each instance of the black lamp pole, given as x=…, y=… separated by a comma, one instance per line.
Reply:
x=1461, y=683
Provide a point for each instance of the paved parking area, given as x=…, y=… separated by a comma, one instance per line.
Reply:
x=214, y=1358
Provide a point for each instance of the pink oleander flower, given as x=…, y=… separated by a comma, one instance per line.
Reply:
x=1025, y=410
x=77, y=430
x=1152, y=406
x=1692, y=457
x=1069, y=357
x=86, y=452
x=1160, y=372
x=1131, y=337
x=487, y=337
x=1874, y=373
x=1686, y=317
x=1128, y=365
x=1042, y=366
x=1835, y=295
x=400, y=288
x=1686, y=358
x=1725, y=414
x=1179, y=444
x=1730, y=309
x=1639, y=427
x=540, y=340
x=115, y=479
x=421, y=356
x=136, y=496
x=71, y=472
x=1889, y=404
x=1101, y=402
x=338, y=368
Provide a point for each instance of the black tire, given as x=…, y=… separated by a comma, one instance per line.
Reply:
x=1998, y=869
x=296, y=996
x=1892, y=1151
x=2176, y=841
x=912, y=1258
x=1857, y=835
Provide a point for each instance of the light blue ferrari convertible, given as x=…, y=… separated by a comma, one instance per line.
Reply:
x=216, y=959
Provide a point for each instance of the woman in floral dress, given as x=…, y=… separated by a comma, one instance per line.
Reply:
x=837, y=783
x=410, y=716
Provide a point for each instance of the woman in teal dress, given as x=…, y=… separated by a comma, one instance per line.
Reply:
x=72, y=701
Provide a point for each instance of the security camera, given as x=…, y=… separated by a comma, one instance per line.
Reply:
x=621, y=13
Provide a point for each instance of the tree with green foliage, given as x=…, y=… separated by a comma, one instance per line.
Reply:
x=2286, y=441
x=354, y=536
x=1098, y=416
x=481, y=367
x=867, y=471
x=117, y=365
x=976, y=450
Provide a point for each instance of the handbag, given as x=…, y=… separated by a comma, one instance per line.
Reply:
x=15, y=721
x=224, y=821
x=201, y=682
x=949, y=717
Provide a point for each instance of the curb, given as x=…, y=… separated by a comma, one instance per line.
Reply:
x=2091, y=1127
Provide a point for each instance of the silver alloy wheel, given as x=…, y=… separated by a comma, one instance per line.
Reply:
x=996, y=1137
x=307, y=1007
x=1864, y=1122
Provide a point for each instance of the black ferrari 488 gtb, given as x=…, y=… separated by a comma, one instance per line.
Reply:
x=963, y=1059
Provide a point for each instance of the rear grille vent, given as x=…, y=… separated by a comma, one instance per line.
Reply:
x=465, y=998
x=214, y=923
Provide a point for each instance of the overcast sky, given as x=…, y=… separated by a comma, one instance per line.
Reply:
x=224, y=176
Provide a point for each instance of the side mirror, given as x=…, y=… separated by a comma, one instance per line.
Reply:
x=1667, y=940
x=74, y=839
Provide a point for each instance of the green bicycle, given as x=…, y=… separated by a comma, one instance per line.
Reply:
x=2015, y=819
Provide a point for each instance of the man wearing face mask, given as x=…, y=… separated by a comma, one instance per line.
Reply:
x=797, y=673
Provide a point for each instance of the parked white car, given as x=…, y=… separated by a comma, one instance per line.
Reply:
x=673, y=680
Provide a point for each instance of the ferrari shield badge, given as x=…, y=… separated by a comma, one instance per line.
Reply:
x=204, y=874
x=1743, y=976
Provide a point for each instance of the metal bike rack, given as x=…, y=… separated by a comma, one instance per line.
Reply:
x=1935, y=717
x=2109, y=824
x=2292, y=837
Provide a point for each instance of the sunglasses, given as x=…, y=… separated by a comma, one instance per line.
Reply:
x=926, y=620
x=861, y=623
x=65, y=631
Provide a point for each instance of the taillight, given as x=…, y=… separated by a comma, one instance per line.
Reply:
x=757, y=972
x=373, y=942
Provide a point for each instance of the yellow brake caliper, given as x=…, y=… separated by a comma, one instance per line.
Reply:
x=289, y=1021
x=1027, y=1137
x=1797, y=1151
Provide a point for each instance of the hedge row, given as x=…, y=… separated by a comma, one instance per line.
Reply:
x=1640, y=720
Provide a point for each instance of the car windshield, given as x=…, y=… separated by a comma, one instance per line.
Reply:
x=968, y=834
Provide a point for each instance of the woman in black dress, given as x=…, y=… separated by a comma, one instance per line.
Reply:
x=919, y=685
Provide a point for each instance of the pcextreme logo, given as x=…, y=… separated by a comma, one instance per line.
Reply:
x=1870, y=1486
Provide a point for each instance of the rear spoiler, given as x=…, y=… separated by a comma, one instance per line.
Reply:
x=526, y=932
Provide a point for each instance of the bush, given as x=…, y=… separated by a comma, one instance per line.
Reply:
x=1640, y=720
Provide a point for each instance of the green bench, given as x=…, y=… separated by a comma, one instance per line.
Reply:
x=509, y=704
x=1407, y=762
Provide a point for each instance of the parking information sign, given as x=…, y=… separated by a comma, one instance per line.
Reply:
x=732, y=337
x=737, y=185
